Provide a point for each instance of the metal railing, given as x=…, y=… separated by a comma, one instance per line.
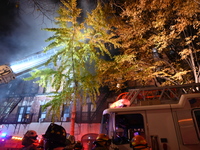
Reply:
x=167, y=93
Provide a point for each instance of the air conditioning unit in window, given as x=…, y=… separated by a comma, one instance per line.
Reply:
x=41, y=120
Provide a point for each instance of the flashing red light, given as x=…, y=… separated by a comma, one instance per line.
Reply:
x=120, y=103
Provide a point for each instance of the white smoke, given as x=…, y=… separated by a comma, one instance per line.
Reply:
x=24, y=36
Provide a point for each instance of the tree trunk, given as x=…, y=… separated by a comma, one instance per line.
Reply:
x=73, y=116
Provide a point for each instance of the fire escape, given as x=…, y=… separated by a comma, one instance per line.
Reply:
x=12, y=93
x=94, y=113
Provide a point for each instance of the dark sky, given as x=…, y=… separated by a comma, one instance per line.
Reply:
x=20, y=28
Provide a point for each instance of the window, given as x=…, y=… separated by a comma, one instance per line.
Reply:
x=105, y=124
x=89, y=107
x=126, y=126
x=42, y=115
x=66, y=113
x=196, y=115
x=23, y=113
x=85, y=108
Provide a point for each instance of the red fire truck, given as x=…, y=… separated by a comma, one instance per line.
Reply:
x=10, y=142
x=170, y=124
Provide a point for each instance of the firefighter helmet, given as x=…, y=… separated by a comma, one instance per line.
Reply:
x=139, y=141
x=29, y=138
x=56, y=133
x=31, y=133
x=102, y=137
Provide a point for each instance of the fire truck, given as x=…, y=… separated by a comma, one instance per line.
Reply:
x=10, y=142
x=168, y=118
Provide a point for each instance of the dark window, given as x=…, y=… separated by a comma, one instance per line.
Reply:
x=196, y=115
x=105, y=123
x=65, y=113
x=128, y=125
x=42, y=115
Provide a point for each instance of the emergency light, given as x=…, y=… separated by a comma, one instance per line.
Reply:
x=3, y=135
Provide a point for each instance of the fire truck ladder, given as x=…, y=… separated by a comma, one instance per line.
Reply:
x=161, y=94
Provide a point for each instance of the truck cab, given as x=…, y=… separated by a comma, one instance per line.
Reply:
x=173, y=126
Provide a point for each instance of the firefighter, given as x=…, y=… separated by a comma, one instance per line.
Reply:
x=30, y=141
x=102, y=142
x=55, y=137
x=120, y=138
x=139, y=143
x=78, y=145
x=70, y=142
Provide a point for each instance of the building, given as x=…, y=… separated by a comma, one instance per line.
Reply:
x=21, y=105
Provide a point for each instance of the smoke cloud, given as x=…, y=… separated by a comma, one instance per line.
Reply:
x=20, y=28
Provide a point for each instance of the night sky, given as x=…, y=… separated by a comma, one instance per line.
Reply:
x=20, y=28
x=21, y=22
